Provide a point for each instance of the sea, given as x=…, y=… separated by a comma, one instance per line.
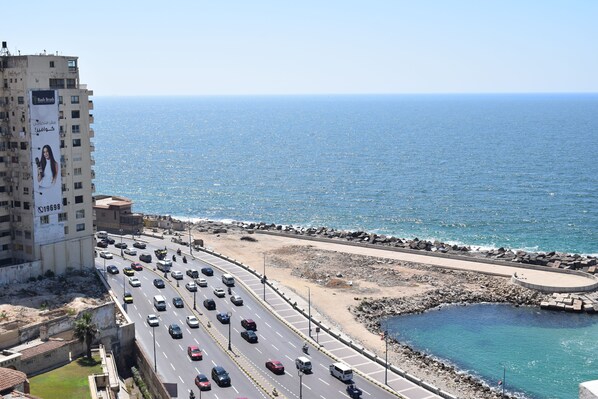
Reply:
x=517, y=171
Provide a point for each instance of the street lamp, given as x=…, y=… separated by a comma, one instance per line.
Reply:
x=124, y=303
x=154, y=335
x=194, y=306
x=300, y=372
x=190, y=242
x=229, y=314
x=104, y=267
x=121, y=242
x=309, y=308
x=264, y=278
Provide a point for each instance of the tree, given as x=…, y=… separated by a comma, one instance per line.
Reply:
x=85, y=331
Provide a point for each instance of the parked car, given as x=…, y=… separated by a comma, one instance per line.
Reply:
x=209, y=304
x=140, y=245
x=134, y=282
x=147, y=258
x=121, y=245
x=194, y=352
x=202, y=382
x=128, y=271
x=237, y=300
x=223, y=318
x=177, y=274
x=192, y=273
x=136, y=266
x=202, y=282
x=130, y=251
x=105, y=255
x=275, y=366
x=177, y=301
x=102, y=244
x=207, y=271
x=220, y=376
x=112, y=269
x=219, y=292
x=249, y=336
x=159, y=283
x=152, y=320
x=175, y=331
x=109, y=240
x=128, y=298
x=249, y=324
x=191, y=286
x=192, y=322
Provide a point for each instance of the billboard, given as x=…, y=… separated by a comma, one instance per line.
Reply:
x=45, y=165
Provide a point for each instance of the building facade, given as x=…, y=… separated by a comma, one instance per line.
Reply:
x=115, y=215
x=46, y=175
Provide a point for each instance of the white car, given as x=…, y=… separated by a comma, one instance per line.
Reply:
x=152, y=320
x=177, y=274
x=105, y=255
x=134, y=282
x=219, y=292
x=191, y=286
x=202, y=282
x=130, y=251
x=192, y=322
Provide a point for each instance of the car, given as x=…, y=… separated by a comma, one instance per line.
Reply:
x=202, y=382
x=219, y=292
x=275, y=366
x=134, y=282
x=249, y=324
x=139, y=245
x=105, y=255
x=192, y=322
x=237, y=300
x=249, y=336
x=121, y=245
x=128, y=271
x=147, y=258
x=102, y=244
x=109, y=240
x=130, y=251
x=202, y=282
x=128, y=298
x=177, y=274
x=175, y=331
x=152, y=320
x=223, y=318
x=209, y=304
x=220, y=376
x=177, y=301
x=136, y=266
x=207, y=271
x=191, y=286
x=159, y=283
x=192, y=273
x=112, y=269
x=194, y=352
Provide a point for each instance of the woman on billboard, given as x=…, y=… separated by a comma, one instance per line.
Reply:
x=47, y=168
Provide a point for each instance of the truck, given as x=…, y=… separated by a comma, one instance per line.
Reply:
x=164, y=265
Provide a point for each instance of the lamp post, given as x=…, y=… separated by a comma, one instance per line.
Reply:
x=300, y=372
x=264, y=278
x=190, y=242
x=121, y=242
x=309, y=309
x=104, y=267
x=194, y=306
x=154, y=335
x=229, y=314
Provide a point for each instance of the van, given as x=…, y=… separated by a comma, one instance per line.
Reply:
x=164, y=265
x=159, y=302
x=102, y=234
x=303, y=364
x=227, y=279
x=341, y=371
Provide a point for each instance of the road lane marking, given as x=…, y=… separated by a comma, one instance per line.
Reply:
x=258, y=350
x=290, y=358
x=172, y=367
x=275, y=348
x=164, y=353
x=181, y=379
x=269, y=326
x=324, y=381
x=290, y=343
x=280, y=335
x=180, y=347
x=158, y=344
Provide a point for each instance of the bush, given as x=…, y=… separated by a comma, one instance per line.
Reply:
x=141, y=384
x=49, y=274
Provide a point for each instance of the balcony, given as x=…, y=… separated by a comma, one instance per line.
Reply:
x=92, y=161
x=90, y=105
x=91, y=118
x=93, y=188
x=93, y=174
x=92, y=133
x=92, y=148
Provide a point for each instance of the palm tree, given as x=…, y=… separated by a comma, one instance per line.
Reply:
x=86, y=330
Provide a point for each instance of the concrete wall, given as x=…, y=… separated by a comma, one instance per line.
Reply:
x=145, y=364
x=52, y=359
x=20, y=273
x=588, y=390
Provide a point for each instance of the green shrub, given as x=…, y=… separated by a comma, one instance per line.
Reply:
x=49, y=274
x=141, y=384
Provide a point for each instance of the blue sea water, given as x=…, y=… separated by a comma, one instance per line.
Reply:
x=517, y=171
x=545, y=354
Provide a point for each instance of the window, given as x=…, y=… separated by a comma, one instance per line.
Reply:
x=75, y=129
x=66, y=230
x=51, y=64
x=26, y=205
x=75, y=114
x=25, y=191
x=61, y=143
x=44, y=219
x=63, y=217
x=71, y=84
x=77, y=171
x=74, y=99
x=71, y=64
x=78, y=185
x=79, y=199
x=80, y=214
x=60, y=100
x=21, y=100
x=64, y=202
x=80, y=226
x=17, y=204
x=76, y=142
x=27, y=235
x=56, y=83
x=77, y=157
x=23, y=145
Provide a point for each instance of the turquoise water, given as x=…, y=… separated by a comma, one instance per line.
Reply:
x=517, y=171
x=546, y=354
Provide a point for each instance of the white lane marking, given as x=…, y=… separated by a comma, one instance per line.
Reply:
x=235, y=390
x=157, y=343
x=264, y=338
x=324, y=381
x=290, y=343
x=287, y=373
x=288, y=357
x=366, y=392
x=258, y=350
x=280, y=335
x=164, y=353
x=275, y=348
x=269, y=326
x=181, y=379
x=248, y=307
x=214, y=363
x=172, y=366
x=258, y=316
x=307, y=386
x=180, y=347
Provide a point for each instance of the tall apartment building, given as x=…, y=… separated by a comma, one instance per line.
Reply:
x=46, y=189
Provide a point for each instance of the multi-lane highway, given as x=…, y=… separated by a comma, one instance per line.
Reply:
x=277, y=323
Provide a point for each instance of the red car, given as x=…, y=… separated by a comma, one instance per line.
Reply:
x=194, y=352
x=136, y=266
x=275, y=366
x=202, y=382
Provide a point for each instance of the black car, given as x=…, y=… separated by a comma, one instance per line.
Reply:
x=109, y=240
x=223, y=318
x=175, y=331
x=102, y=244
x=147, y=258
x=140, y=245
x=207, y=271
x=178, y=302
x=209, y=304
x=220, y=376
x=121, y=245
x=112, y=269
x=249, y=336
x=159, y=283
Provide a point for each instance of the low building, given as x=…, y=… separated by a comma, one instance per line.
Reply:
x=114, y=214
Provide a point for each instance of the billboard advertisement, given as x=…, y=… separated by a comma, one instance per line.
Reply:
x=45, y=164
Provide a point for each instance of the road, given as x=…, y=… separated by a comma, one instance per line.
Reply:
x=277, y=322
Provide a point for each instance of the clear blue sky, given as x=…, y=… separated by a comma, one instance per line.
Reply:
x=325, y=46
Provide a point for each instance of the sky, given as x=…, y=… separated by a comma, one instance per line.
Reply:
x=260, y=47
